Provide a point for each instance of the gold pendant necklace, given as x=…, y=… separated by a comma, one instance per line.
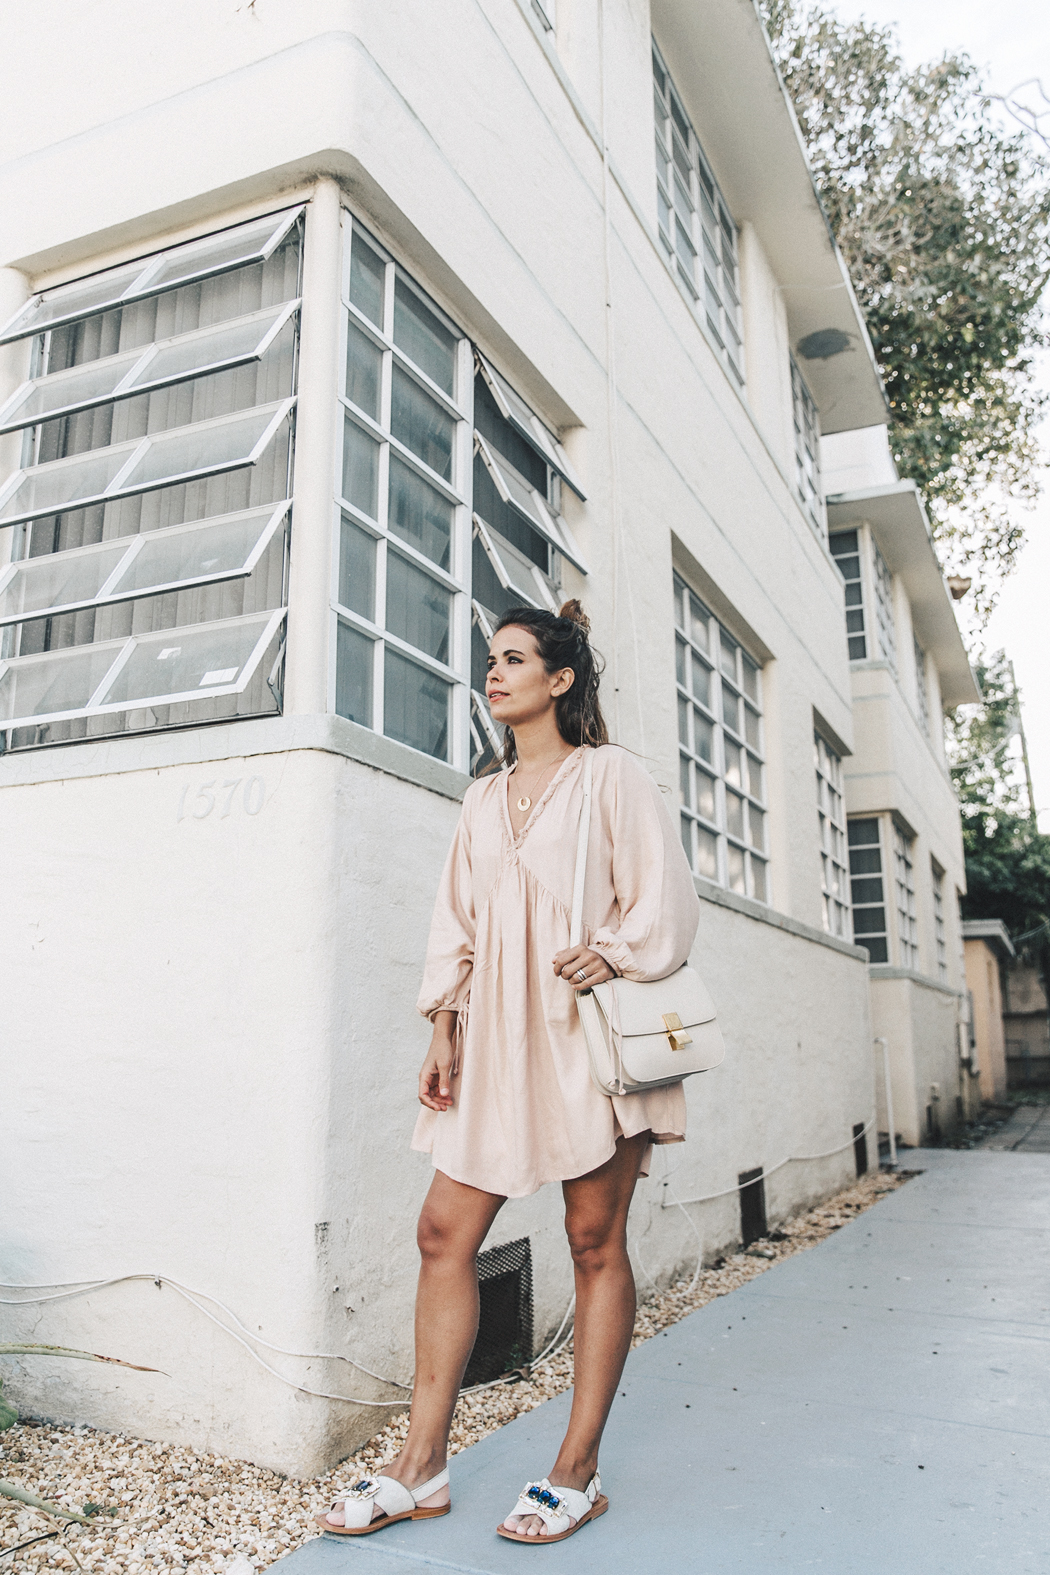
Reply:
x=525, y=802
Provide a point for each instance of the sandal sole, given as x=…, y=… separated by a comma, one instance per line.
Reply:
x=600, y=1505
x=380, y=1522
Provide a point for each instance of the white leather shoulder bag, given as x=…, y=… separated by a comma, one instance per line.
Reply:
x=641, y=1036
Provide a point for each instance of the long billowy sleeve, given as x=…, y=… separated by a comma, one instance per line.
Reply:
x=659, y=908
x=450, y=950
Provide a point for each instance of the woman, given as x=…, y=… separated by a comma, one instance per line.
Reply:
x=508, y=1102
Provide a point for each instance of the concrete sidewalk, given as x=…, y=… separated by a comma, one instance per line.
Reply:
x=1026, y=1132
x=879, y=1403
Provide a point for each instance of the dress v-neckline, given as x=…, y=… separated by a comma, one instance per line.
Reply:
x=540, y=805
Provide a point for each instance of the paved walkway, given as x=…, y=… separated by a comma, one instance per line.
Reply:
x=879, y=1403
x=1026, y=1132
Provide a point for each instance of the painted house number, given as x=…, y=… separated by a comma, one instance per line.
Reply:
x=224, y=796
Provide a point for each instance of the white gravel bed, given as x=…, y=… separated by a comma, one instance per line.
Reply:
x=163, y=1506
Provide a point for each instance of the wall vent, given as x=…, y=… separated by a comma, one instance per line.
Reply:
x=752, y=1205
x=504, y=1339
x=860, y=1148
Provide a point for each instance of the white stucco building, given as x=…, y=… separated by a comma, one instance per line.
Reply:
x=333, y=329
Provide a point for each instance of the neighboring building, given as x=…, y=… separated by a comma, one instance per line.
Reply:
x=988, y=948
x=1026, y=1026
x=335, y=329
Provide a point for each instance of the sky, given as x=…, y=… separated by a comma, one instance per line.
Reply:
x=1011, y=41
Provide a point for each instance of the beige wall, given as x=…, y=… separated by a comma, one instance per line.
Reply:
x=982, y=980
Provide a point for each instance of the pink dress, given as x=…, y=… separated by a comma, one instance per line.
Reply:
x=525, y=1110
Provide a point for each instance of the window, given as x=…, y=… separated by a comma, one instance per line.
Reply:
x=722, y=788
x=845, y=548
x=904, y=885
x=921, y=691
x=867, y=892
x=884, y=607
x=939, y=932
x=807, y=450
x=831, y=817
x=449, y=496
x=698, y=234
x=152, y=504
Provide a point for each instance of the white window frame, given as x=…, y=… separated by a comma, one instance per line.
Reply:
x=904, y=898
x=806, y=425
x=831, y=824
x=456, y=579
x=922, y=693
x=735, y=855
x=940, y=920
x=861, y=903
x=856, y=612
x=696, y=226
x=885, y=620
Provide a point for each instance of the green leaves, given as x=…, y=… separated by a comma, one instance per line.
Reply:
x=944, y=221
x=8, y=1414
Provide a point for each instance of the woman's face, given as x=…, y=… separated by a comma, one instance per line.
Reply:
x=518, y=686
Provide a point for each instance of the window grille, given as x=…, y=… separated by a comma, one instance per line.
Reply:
x=722, y=776
x=921, y=690
x=845, y=549
x=448, y=492
x=904, y=884
x=698, y=235
x=939, y=930
x=152, y=504
x=831, y=817
x=867, y=890
x=807, y=450
x=884, y=607
x=504, y=1337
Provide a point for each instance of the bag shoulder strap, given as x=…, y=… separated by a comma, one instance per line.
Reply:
x=576, y=923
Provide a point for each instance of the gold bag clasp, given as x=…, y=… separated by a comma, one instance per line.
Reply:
x=675, y=1032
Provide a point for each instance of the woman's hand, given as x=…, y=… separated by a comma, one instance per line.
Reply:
x=582, y=968
x=435, y=1077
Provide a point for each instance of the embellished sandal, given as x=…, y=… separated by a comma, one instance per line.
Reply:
x=555, y=1506
x=395, y=1500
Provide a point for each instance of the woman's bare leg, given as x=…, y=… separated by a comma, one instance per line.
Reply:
x=596, y=1208
x=454, y=1221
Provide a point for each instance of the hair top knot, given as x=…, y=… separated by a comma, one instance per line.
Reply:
x=563, y=641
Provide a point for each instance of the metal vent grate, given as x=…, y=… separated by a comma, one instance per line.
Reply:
x=504, y=1339
x=860, y=1148
x=752, y=1205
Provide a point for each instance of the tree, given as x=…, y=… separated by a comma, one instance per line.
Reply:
x=1007, y=857
x=944, y=220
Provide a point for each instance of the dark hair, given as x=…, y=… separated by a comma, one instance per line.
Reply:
x=562, y=640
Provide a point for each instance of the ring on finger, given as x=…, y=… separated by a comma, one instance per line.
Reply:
x=581, y=976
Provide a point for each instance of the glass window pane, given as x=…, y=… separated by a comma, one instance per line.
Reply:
x=733, y=764
x=706, y=854
x=212, y=548
x=36, y=686
x=687, y=837
x=679, y=657
x=876, y=948
x=95, y=380
x=685, y=790
x=730, y=709
x=705, y=795
x=750, y=679
x=729, y=650
x=73, y=300
x=421, y=424
x=213, y=254
x=704, y=734
x=699, y=624
x=863, y=832
x=758, y=879
x=869, y=890
x=360, y=469
x=416, y=706
x=865, y=861
x=757, y=827
x=751, y=727
x=735, y=869
x=57, y=579
x=364, y=364
x=182, y=661
x=196, y=352
x=48, y=488
x=419, y=514
x=353, y=674
x=869, y=920
x=357, y=573
x=366, y=279
x=683, y=722
x=735, y=815
x=425, y=340
x=210, y=446
x=702, y=682
x=754, y=777
x=418, y=609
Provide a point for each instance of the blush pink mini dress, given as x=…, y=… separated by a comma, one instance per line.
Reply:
x=525, y=1111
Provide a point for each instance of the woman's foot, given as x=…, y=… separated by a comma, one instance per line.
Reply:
x=411, y=1474
x=534, y=1525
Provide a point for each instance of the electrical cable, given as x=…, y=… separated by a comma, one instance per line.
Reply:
x=792, y=1159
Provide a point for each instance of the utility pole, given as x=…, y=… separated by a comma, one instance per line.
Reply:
x=1024, y=751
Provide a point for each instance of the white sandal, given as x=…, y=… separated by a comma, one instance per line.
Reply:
x=397, y=1502
x=555, y=1506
